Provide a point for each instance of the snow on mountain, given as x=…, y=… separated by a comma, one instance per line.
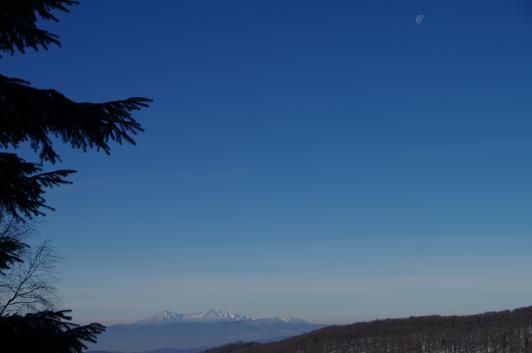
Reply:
x=213, y=315
x=162, y=317
x=210, y=328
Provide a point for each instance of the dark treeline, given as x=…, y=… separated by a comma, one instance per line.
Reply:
x=494, y=332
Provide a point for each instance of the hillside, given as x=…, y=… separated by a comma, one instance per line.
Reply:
x=494, y=332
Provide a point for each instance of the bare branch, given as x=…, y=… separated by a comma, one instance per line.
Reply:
x=28, y=285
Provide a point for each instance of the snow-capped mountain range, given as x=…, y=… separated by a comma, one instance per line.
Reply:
x=210, y=328
x=212, y=315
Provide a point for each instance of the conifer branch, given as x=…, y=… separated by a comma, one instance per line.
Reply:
x=46, y=332
x=18, y=23
x=31, y=114
x=22, y=186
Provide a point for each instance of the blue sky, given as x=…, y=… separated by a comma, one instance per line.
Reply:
x=331, y=160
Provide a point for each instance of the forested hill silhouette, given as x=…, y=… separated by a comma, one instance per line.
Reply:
x=494, y=332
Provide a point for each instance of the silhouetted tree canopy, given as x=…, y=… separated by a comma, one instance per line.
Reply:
x=34, y=116
x=45, y=332
x=18, y=23
x=22, y=186
x=11, y=244
x=10, y=249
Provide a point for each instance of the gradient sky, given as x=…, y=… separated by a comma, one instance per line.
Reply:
x=331, y=160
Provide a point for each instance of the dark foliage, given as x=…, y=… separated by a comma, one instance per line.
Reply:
x=33, y=115
x=22, y=186
x=12, y=246
x=18, y=23
x=36, y=116
x=45, y=332
x=10, y=249
x=497, y=332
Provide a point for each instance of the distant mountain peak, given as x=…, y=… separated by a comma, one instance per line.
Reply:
x=218, y=315
x=162, y=318
x=213, y=315
x=288, y=318
x=210, y=328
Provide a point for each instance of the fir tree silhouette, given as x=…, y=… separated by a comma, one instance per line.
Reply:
x=32, y=115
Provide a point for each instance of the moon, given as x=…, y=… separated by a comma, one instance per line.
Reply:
x=420, y=19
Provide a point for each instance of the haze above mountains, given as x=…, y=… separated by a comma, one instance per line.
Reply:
x=173, y=331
